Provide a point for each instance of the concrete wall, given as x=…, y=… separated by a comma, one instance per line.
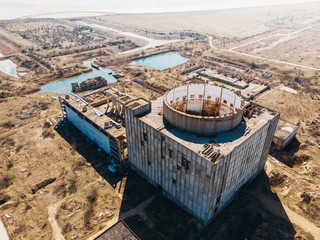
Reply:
x=192, y=93
x=151, y=159
x=281, y=143
x=240, y=166
x=90, y=131
x=201, y=125
x=203, y=189
x=191, y=98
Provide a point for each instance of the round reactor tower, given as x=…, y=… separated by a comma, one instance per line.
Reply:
x=203, y=109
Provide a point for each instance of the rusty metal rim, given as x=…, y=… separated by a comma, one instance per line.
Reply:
x=222, y=117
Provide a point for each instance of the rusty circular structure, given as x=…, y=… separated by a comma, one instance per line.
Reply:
x=203, y=109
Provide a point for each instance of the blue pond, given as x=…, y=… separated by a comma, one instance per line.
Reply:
x=163, y=61
x=64, y=86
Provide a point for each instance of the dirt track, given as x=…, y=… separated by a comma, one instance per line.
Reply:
x=271, y=205
x=56, y=230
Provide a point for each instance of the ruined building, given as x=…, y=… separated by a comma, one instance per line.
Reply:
x=89, y=84
x=198, y=144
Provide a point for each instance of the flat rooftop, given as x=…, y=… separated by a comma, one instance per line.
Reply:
x=99, y=120
x=253, y=90
x=285, y=129
x=119, y=231
x=137, y=103
x=226, y=79
x=224, y=142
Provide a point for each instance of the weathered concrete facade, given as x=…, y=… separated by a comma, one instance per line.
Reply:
x=201, y=174
x=92, y=123
x=284, y=134
x=89, y=130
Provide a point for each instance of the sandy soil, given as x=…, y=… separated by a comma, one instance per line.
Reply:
x=299, y=47
x=239, y=23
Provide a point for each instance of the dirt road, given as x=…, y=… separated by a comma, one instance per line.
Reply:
x=272, y=60
x=231, y=50
x=271, y=205
x=56, y=230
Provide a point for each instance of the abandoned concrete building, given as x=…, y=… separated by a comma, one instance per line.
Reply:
x=248, y=90
x=96, y=125
x=198, y=143
x=89, y=84
x=285, y=134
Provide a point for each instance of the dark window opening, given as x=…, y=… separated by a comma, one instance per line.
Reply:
x=142, y=143
x=188, y=165
x=145, y=136
x=185, y=163
x=149, y=163
x=170, y=152
x=173, y=181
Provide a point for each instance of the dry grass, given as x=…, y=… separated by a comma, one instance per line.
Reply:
x=35, y=165
x=293, y=107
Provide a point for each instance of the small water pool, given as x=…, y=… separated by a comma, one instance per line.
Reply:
x=64, y=86
x=163, y=61
x=9, y=68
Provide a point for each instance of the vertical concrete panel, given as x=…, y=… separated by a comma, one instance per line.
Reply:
x=196, y=189
x=90, y=131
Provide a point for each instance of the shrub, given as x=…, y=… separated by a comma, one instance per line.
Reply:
x=46, y=133
x=72, y=188
x=67, y=228
x=5, y=181
x=78, y=164
x=87, y=216
x=44, y=105
x=8, y=124
x=8, y=141
x=4, y=198
x=27, y=207
x=92, y=197
x=9, y=165
x=19, y=147
x=46, y=125
x=306, y=197
x=60, y=190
